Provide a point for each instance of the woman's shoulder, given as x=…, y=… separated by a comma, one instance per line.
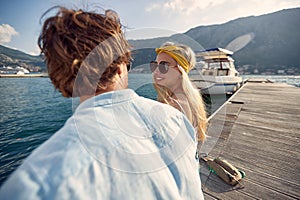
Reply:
x=176, y=104
x=150, y=105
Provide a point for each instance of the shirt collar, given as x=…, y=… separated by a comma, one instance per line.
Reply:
x=108, y=98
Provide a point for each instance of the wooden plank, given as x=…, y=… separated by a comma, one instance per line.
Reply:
x=263, y=146
x=262, y=191
x=257, y=183
x=208, y=196
x=258, y=133
x=284, y=169
x=218, y=189
x=253, y=188
x=288, y=138
x=270, y=183
x=219, y=129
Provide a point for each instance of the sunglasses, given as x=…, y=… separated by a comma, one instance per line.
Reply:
x=129, y=66
x=163, y=66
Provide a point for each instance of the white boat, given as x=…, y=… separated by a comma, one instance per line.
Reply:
x=215, y=73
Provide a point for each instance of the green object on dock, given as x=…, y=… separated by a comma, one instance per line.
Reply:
x=242, y=173
x=213, y=171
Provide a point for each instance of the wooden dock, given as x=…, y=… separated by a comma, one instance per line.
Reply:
x=258, y=131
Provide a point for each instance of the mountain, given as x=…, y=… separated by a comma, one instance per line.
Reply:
x=14, y=58
x=272, y=41
x=267, y=43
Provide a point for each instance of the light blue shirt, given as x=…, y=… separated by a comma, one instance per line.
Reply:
x=116, y=145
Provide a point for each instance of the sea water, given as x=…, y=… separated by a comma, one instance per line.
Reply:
x=32, y=110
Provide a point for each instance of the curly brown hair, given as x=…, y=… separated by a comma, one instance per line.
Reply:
x=82, y=50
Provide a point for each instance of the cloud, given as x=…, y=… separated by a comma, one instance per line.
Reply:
x=6, y=33
x=192, y=7
x=181, y=15
x=187, y=7
x=36, y=51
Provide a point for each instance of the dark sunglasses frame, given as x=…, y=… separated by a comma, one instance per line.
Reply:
x=163, y=66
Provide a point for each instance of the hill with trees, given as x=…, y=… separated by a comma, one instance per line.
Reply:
x=268, y=43
x=265, y=44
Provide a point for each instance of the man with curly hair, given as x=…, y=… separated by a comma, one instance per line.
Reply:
x=116, y=145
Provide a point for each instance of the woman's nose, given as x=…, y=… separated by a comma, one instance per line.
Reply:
x=156, y=71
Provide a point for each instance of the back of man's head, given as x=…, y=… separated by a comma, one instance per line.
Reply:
x=82, y=50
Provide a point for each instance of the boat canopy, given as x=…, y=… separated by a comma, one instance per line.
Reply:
x=215, y=54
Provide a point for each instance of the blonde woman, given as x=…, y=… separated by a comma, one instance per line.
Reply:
x=171, y=81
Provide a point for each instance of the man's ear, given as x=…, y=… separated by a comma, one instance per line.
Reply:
x=119, y=70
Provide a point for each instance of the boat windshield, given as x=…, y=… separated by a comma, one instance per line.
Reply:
x=218, y=65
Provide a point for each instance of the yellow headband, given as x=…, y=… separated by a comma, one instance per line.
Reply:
x=182, y=61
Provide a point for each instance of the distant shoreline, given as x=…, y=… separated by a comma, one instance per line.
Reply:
x=39, y=75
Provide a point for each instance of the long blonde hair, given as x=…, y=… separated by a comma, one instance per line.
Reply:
x=194, y=99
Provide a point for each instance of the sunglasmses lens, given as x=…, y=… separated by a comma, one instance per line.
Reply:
x=163, y=68
x=153, y=66
x=129, y=66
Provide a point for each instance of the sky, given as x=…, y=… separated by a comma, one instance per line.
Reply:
x=20, y=20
